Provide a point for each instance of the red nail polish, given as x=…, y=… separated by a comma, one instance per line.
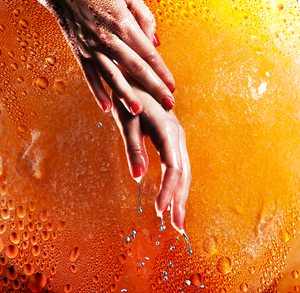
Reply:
x=164, y=210
x=136, y=171
x=171, y=88
x=156, y=41
x=167, y=103
x=103, y=106
x=134, y=108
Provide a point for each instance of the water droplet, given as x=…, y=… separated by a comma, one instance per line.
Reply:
x=11, y=273
x=23, y=23
x=2, y=28
x=1, y=245
x=67, y=288
x=11, y=54
x=74, y=253
x=210, y=245
x=45, y=235
x=62, y=226
x=251, y=270
x=14, y=66
x=23, y=44
x=20, y=79
x=5, y=214
x=21, y=212
x=73, y=269
x=51, y=60
x=14, y=238
x=11, y=251
x=33, y=240
x=222, y=290
x=295, y=274
x=36, y=282
x=16, y=284
x=244, y=287
x=2, y=228
x=188, y=282
x=35, y=250
x=224, y=265
x=122, y=258
x=195, y=280
x=16, y=12
x=28, y=269
x=59, y=87
x=42, y=82
x=22, y=128
x=3, y=189
x=284, y=236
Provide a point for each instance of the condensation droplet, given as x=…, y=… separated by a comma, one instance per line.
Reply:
x=122, y=258
x=35, y=250
x=11, y=273
x=51, y=60
x=67, y=288
x=210, y=245
x=195, y=280
x=4, y=189
x=59, y=87
x=74, y=253
x=284, y=236
x=16, y=12
x=5, y=214
x=2, y=228
x=42, y=82
x=36, y=282
x=2, y=28
x=61, y=225
x=11, y=54
x=22, y=128
x=23, y=23
x=251, y=270
x=244, y=287
x=14, y=66
x=14, y=238
x=224, y=265
x=21, y=212
x=295, y=274
x=11, y=251
x=24, y=44
x=28, y=269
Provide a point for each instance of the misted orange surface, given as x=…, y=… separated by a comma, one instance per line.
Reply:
x=68, y=203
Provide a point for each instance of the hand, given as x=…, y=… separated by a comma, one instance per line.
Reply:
x=168, y=137
x=104, y=33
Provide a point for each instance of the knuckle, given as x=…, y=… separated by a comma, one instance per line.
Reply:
x=137, y=69
x=109, y=75
x=150, y=58
x=158, y=88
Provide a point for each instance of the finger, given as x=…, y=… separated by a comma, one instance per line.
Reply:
x=182, y=189
x=144, y=17
x=142, y=73
x=135, y=38
x=94, y=82
x=130, y=129
x=115, y=79
x=171, y=164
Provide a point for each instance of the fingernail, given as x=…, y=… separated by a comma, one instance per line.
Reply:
x=136, y=171
x=134, y=108
x=171, y=87
x=103, y=106
x=156, y=41
x=164, y=210
x=167, y=103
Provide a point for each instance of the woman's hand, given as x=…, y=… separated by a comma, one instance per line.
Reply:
x=104, y=33
x=168, y=137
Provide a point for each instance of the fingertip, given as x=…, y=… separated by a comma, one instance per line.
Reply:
x=135, y=108
x=167, y=103
x=104, y=105
x=171, y=87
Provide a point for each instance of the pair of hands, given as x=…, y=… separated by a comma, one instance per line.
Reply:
x=116, y=40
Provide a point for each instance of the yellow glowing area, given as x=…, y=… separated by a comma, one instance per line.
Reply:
x=68, y=206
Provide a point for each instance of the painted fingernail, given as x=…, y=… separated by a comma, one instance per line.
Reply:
x=156, y=41
x=136, y=171
x=171, y=87
x=134, y=108
x=103, y=106
x=164, y=210
x=167, y=103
